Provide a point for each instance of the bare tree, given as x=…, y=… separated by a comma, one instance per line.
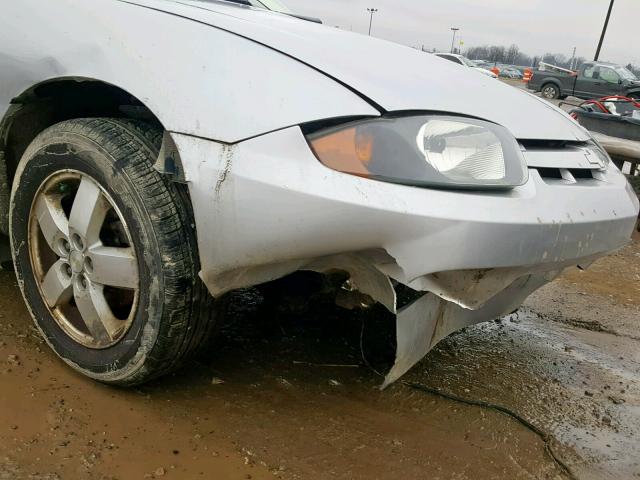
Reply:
x=635, y=69
x=512, y=53
x=558, y=59
x=496, y=53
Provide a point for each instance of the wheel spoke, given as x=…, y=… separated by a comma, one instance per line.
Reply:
x=88, y=211
x=52, y=220
x=96, y=313
x=56, y=285
x=116, y=267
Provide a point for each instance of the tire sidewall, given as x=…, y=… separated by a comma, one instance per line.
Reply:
x=55, y=151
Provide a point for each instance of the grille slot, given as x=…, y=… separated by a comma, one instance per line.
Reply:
x=582, y=173
x=554, y=145
x=568, y=176
x=553, y=173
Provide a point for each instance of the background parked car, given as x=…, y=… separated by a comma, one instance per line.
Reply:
x=592, y=80
x=508, y=71
x=464, y=61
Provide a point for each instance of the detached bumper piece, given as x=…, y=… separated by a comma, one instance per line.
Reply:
x=423, y=323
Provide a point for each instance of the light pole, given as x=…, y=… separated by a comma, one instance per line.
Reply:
x=604, y=31
x=371, y=12
x=453, y=40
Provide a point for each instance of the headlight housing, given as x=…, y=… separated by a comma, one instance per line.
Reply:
x=442, y=151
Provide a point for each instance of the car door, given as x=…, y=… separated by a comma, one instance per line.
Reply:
x=588, y=82
x=610, y=81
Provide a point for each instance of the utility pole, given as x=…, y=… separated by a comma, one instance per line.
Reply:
x=371, y=12
x=573, y=58
x=453, y=40
x=604, y=31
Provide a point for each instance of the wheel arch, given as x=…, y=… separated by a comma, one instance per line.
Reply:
x=552, y=81
x=55, y=100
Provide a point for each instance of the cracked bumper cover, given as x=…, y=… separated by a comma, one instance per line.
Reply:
x=266, y=207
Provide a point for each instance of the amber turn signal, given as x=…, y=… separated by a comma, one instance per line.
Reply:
x=349, y=150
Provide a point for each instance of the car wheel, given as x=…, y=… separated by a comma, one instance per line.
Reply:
x=105, y=252
x=550, y=91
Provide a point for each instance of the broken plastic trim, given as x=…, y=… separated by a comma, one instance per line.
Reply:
x=423, y=323
x=449, y=302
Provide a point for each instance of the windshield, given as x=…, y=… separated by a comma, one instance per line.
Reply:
x=274, y=5
x=625, y=74
x=466, y=61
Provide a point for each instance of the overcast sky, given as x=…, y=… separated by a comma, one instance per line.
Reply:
x=536, y=26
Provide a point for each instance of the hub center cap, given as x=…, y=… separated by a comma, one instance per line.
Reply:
x=76, y=260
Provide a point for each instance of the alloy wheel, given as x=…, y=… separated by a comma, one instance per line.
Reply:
x=83, y=259
x=549, y=92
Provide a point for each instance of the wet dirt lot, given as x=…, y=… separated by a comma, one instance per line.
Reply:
x=286, y=394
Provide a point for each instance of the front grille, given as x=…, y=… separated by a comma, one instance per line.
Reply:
x=563, y=162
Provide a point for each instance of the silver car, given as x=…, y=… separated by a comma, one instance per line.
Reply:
x=465, y=62
x=157, y=154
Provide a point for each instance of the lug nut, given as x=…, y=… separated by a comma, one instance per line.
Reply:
x=82, y=282
x=77, y=241
x=88, y=264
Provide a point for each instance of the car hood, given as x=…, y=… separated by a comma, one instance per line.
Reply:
x=391, y=77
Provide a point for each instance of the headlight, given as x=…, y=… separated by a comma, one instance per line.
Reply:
x=433, y=151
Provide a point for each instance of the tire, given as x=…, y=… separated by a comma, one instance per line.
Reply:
x=550, y=91
x=130, y=244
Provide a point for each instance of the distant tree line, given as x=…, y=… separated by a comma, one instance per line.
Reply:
x=513, y=56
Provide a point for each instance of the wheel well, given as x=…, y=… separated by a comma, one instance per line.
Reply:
x=52, y=102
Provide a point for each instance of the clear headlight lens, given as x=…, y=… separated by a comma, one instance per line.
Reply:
x=435, y=150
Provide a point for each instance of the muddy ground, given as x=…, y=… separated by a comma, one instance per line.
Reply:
x=286, y=394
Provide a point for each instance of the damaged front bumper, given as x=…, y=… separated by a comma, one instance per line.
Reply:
x=266, y=207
